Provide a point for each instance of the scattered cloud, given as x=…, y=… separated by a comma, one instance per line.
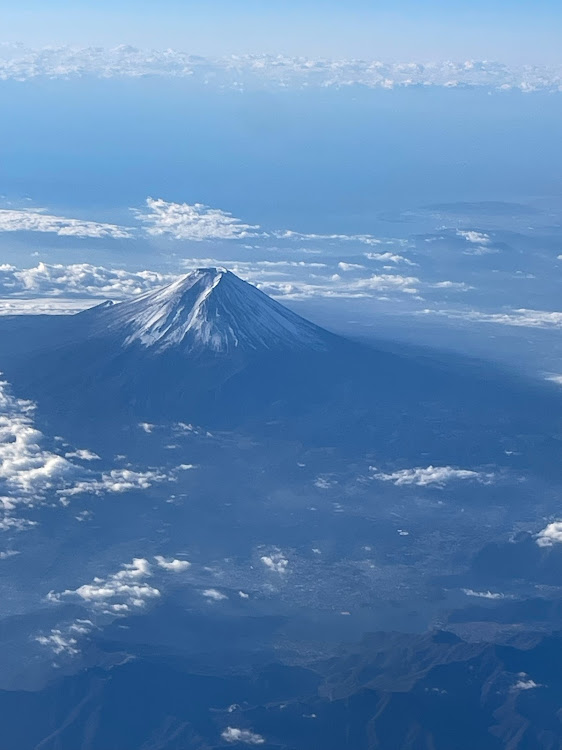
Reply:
x=231, y=734
x=117, y=481
x=550, y=535
x=130, y=589
x=59, y=643
x=38, y=220
x=33, y=471
x=197, y=222
x=28, y=468
x=118, y=593
x=432, y=475
x=65, y=638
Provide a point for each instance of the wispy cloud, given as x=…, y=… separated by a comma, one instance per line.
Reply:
x=38, y=220
x=432, y=475
x=389, y=257
x=521, y=318
x=59, y=642
x=485, y=594
x=213, y=595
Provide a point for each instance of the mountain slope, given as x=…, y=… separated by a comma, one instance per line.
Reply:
x=210, y=310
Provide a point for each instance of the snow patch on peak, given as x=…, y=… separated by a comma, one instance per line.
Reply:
x=210, y=309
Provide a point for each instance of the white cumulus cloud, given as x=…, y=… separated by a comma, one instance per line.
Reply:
x=276, y=562
x=550, y=535
x=475, y=238
x=525, y=683
x=176, y=566
x=197, y=222
x=28, y=468
x=118, y=593
x=245, y=736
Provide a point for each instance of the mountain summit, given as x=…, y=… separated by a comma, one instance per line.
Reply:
x=210, y=309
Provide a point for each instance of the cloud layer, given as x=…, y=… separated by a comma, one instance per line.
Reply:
x=270, y=72
x=77, y=280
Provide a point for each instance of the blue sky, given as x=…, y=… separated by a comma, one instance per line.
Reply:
x=507, y=30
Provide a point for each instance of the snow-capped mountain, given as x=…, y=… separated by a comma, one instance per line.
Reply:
x=211, y=349
x=210, y=309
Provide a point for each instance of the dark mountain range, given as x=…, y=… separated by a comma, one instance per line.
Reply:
x=431, y=692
